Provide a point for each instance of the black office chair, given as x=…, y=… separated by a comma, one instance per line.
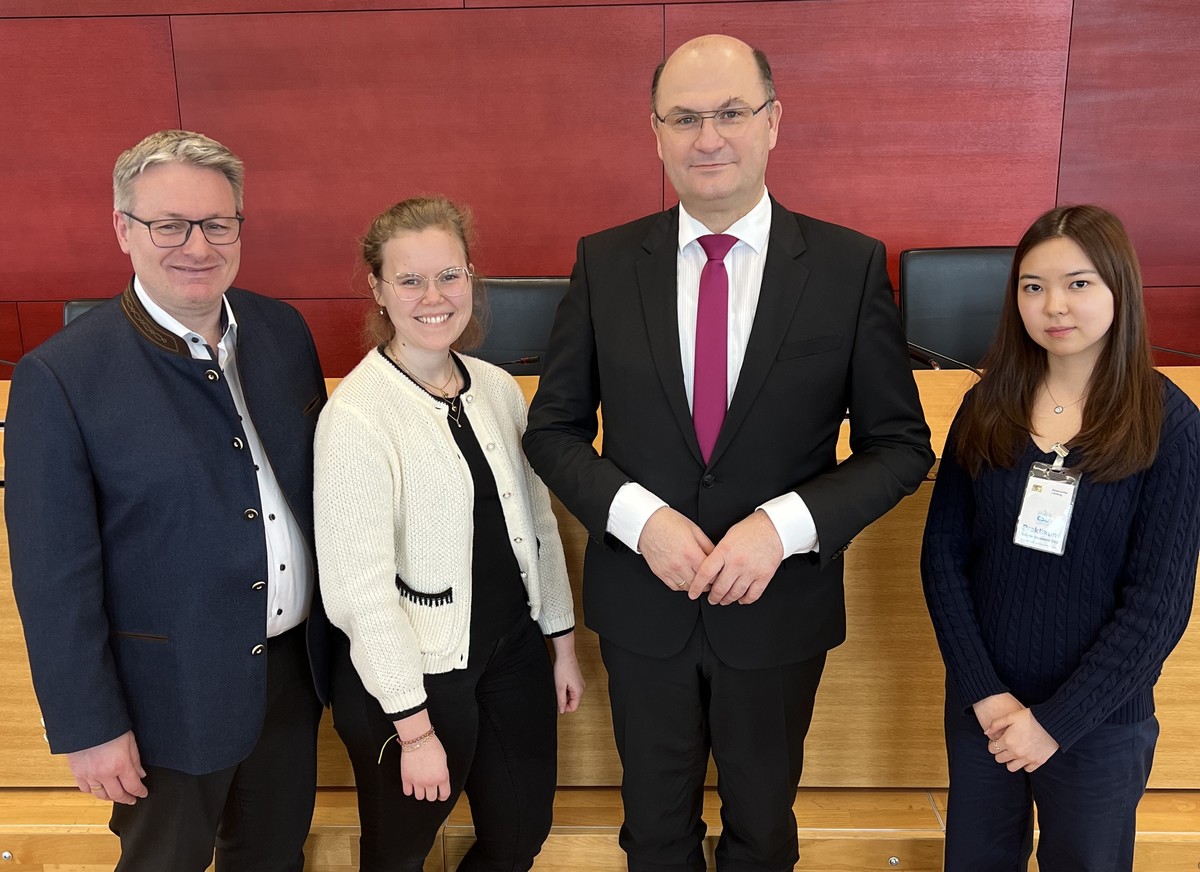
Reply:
x=522, y=313
x=72, y=309
x=951, y=299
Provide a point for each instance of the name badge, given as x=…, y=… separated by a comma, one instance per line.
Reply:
x=1045, y=516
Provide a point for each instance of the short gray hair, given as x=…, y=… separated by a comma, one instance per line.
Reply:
x=174, y=146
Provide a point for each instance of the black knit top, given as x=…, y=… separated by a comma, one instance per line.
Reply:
x=1080, y=638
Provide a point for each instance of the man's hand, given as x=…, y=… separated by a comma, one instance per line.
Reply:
x=110, y=772
x=1020, y=742
x=742, y=565
x=674, y=547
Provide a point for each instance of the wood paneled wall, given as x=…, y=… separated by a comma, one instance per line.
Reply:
x=923, y=122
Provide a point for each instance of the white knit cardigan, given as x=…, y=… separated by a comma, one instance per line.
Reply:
x=394, y=504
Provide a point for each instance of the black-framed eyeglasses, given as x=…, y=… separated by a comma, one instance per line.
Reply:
x=175, y=232
x=454, y=281
x=729, y=122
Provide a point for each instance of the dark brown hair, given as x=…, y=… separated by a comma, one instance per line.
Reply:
x=412, y=216
x=1123, y=414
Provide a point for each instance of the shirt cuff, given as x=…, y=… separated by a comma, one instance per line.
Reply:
x=793, y=522
x=407, y=713
x=630, y=510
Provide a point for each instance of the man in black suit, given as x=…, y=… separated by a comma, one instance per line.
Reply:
x=159, y=507
x=713, y=572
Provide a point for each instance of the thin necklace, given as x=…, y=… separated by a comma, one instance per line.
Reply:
x=455, y=410
x=1059, y=408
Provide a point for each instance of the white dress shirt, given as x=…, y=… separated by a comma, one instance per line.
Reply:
x=289, y=562
x=633, y=505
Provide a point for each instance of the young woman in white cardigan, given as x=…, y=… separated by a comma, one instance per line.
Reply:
x=441, y=564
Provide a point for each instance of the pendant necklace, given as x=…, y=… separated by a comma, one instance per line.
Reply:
x=1059, y=408
x=455, y=409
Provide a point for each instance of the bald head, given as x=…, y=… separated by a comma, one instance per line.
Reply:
x=703, y=51
x=715, y=119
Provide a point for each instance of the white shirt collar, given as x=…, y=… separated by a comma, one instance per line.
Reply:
x=168, y=322
x=753, y=228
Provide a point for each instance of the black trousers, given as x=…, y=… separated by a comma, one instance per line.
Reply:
x=256, y=813
x=1086, y=800
x=497, y=720
x=667, y=716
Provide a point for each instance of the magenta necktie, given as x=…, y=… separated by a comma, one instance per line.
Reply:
x=709, y=387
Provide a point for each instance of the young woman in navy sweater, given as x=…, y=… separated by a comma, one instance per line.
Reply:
x=1051, y=659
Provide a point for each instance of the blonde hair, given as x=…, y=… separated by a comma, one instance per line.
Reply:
x=412, y=216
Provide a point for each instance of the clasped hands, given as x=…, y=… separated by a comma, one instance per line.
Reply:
x=735, y=570
x=1015, y=738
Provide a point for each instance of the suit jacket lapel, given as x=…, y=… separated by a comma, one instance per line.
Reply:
x=783, y=281
x=657, y=274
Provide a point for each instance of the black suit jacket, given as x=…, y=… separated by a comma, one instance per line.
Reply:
x=826, y=338
x=136, y=532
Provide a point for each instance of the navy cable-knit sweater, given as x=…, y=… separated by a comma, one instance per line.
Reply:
x=1080, y=638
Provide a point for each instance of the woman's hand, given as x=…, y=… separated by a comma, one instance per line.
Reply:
x=1020, y=742
x=424, y=773
x=991, y=707
x=568, y=679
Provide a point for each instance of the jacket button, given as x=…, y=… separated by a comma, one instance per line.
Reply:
x=212, y=375
x=237, y=443
x=708, y=481
x=257, y=649
x=250, y=514
x=258, y=585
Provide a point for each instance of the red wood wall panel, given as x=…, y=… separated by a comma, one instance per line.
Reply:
x=1174, y=314
x=75, y=94
x=534, y=117
x=1132, y=127
x=335, y=326
x=493, y=4
x=93, y=8
x=10, y=337
x=41, y=320
x=921, y=123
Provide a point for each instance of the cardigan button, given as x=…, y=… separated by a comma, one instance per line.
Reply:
x=518, y=540
x=469, y=399
x=237, y=443
x=250, y=514
x=508, y=496
x=212, y=375
x=258, y=649
x=491, y=446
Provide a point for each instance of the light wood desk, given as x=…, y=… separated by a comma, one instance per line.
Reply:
x=878, y=714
